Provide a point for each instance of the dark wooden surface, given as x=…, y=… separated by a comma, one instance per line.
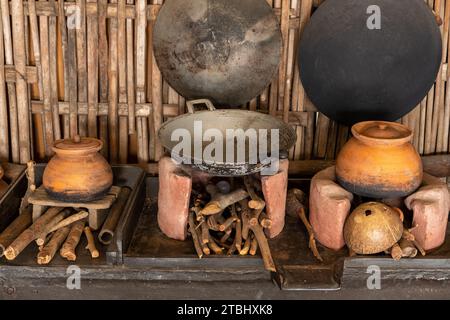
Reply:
x=155, y=267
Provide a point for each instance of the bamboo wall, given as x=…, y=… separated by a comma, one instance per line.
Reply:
x=95, y=75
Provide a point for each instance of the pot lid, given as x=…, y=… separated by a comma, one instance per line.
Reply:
x=382, y=132
x=78, y=145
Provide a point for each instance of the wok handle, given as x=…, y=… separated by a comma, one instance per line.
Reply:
x=191, y=104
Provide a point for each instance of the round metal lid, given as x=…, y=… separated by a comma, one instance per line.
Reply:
x=78, y=145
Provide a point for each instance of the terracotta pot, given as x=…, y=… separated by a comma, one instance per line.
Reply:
x=373, y=227
x=77, y=172
x=379, y=161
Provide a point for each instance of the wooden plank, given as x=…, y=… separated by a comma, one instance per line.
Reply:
x=92, y=61
x=18, y=30
x=11, y=87
x=4, y=126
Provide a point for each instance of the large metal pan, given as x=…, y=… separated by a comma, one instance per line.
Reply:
x=223, y=120
x=355, y=70
x=224, y=50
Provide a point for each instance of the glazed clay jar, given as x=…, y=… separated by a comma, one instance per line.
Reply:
x=379, y=161
x=77, y=172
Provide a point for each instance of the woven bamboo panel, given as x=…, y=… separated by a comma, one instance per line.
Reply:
x=86, y=67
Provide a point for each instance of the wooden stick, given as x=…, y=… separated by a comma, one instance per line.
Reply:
x=396, y=252
x=227, y=223
x=48, y=252
x=68, y=249
x=194, y=235
x=246, y=248
x=264, y=247
x=226, y=235
x=22, y=222
x=113, y=123
x=27, y=236
x=65, y=58
x=107, y=232
x=256, y=202
x=214, y=247
x=41, y=236
x=265, y=221
x=91, y=243
x=69, y=220
x=103, y=65
x=130, y=76
x=253, y=246
x=82, y=63
x=53, y=57
x=205, y=232
x=222, y=201
x=245, y=217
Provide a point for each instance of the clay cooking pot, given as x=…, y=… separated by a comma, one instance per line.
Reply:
x=373, y=227
x=77, y=172
x=379, y=161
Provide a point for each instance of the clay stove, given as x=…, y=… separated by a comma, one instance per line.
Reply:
x=175, y=188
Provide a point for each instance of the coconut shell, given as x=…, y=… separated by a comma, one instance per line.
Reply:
x=373, y=227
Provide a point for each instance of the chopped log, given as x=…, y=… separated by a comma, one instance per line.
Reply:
x=106, y=234
x=27, y=236
x=205, y=232
x=245, y=219
x=295, y=207
x=91, y=243
x=68, y=249
x=396, y=252
x=221, y=201
x=48, y=252
x=238, y=229
x=256, y=202
x=22, y=222
x=265, y=221
x=197, y=243
x=40, y=238
x=408, y=248
x=263, y=247
x=409, y=236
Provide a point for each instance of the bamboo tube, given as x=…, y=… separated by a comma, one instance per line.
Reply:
x=65, y=56
x=103, y=66
x=82, y=63
x=46, y=86
x=52, y=47
x=108, y=230
x=11, y=87
x=113, y=122
x=18, y=28
x=157, y=105
x=4, y=132
x=141, y=26
x=92, y=61
x=130, y=75
x=68, y=249
x=20, y=224
x=284, y=81
x=35, y=42
x=73, y=83
x=27, y=236
x=48, y=252
x=122, y=72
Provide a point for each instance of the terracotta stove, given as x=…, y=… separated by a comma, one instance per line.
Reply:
x=330, y=205
x=175, y=188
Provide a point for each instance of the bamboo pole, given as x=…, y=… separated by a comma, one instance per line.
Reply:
x=130, y=75
x=4, y=126
x=18, y=29
x=122, y=69
x=113, y=91
x=103, y=67
x=92, y=62
x=53, y=61
x=82, y=63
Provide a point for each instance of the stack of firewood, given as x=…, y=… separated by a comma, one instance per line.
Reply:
x=227, y=217
x=57, y=228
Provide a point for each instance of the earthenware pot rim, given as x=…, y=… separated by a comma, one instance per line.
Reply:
x=405, y=133
x=69, y=147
